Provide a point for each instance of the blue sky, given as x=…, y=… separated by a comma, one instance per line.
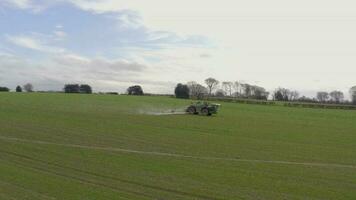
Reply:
x=91, y=34
x=112, y=44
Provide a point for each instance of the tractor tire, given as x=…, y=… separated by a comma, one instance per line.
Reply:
x=205, y=111
x=191, y=110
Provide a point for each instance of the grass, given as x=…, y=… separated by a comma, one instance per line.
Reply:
x=40, y=156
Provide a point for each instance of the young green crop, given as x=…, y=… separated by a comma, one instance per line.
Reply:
x=58, y=146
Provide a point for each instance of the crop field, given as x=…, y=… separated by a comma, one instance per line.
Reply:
x=90, y=147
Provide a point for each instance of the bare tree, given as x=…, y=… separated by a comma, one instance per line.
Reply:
x=281, y=94
x=258, y=92
x=337, y=96
x=28, y=87
x=237, y=88
x=220, y=93
x=227, y=87
x=293, y=95
x=307, y=99
x=246, y=90
x=322, y=96
x=353, y=94
x=196, y=90
x=212, y=84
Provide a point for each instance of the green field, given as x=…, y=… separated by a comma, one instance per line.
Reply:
x=56, y=146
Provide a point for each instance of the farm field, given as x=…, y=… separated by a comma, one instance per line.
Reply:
x=57, y=146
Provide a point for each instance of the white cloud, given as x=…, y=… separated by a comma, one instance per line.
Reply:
x=59, y=26
x=275, y=42
x=33, y=5
x=103, y=74
x=26, y=42
x=60, y=34
x=15, y=70
x=37, y=44
x=100, y=65
x=114, y=75
x=204, y=16
x=23, y=4
x=129, y=19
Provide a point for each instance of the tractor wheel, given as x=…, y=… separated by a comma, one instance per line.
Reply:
x=191, y=110
x=205, y=111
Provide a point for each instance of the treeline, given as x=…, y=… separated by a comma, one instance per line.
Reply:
x=76, y=88
x=226, y=89
x=4, y=89
x=213, y=88
x=27, y=87
x=321, y=105
x=240, y=90
x=87, y=89
x=324, y=97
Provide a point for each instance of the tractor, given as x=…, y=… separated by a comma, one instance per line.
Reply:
x=203, y=108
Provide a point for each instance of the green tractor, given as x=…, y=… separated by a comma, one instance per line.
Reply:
x=203, y=108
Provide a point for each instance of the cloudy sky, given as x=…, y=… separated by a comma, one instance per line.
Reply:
x=306, y=45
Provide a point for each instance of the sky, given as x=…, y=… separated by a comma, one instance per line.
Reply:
x=304, y=45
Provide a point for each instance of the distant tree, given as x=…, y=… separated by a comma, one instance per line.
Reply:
x=237, y=88
x=258, y=92
x=112, y=93
x=278, y=96
x=281, y=94
x=322, y=96
x=246, y=90
x=85, y=89
x=28, y=87
x=336, y=96
x=72, y=88
x=307, y=99
x=227, y=87
x=285, y=93
x=196, y=90
x=182, y=91
x=220, y=93
x=135, y=90
x=353, y=94
x=4, y=89
x=211, y=84
x=293, y=95
x=18, y=89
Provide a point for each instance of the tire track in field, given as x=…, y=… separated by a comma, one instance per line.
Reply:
x=309, y=164
x=32, y=192
x=74, y=178
x=7, y=197
x=176, y=192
